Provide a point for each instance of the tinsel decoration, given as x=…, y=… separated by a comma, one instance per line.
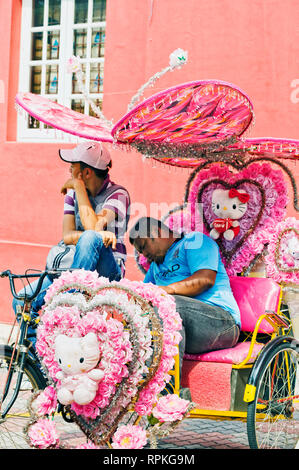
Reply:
x=177, y=59
x=74, y=66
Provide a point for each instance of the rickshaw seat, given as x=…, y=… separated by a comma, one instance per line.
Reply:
x=254, y=296
x=234, y=355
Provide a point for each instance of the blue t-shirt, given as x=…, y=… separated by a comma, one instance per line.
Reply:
x=186, y=256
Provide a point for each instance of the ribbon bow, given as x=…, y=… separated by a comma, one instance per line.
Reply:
x=243, y=197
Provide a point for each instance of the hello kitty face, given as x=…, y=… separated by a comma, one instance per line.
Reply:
x=227, y=204
x=77, y=355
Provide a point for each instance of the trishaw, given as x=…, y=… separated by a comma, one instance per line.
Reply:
x=200, y=125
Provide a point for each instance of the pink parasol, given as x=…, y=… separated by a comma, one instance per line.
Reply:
x=62, y=118
x=185, y=125
x=196, y=112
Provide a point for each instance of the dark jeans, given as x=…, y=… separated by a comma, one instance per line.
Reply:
x=205, y=327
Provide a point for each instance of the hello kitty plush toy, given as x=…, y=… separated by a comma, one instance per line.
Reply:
x=229, y=206
x=77, y=358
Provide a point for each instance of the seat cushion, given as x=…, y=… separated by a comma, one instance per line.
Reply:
x=234, y=355
x=254, y=297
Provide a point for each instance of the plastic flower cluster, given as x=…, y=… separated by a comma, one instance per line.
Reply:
x=267, y=207
x=282, y=260
x=81, y=302
x=172, y=324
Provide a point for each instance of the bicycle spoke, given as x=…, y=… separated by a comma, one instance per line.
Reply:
x=277, y=413
x=12, y=425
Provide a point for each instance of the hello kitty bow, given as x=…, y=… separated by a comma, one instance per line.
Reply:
x=243, y=197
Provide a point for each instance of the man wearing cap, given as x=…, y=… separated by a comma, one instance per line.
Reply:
x=95, y=211
x=96, y=215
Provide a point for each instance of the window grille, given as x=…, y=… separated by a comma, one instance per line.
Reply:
x=53, y=31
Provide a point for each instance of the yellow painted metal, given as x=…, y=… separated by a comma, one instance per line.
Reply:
x=249, y=393
x=217, y=414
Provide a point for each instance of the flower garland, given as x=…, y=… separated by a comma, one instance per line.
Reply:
x=82, y=317
x=267, y=207
x=136, y=368
x=172, y=324
x=282, y=259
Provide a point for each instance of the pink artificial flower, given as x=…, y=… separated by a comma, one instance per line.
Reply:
x=170, y=408
x=43, y=434
x=46, y=402
x=129, y=437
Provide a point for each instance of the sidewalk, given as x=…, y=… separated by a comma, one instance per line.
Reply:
x=196, y=433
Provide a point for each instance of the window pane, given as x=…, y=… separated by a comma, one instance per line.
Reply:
x=54, y=12
x=38, y=12
x=78, y=105
x=33, y=123
x=53, y=45
x=81, y=11
x=51, y=79
x=37, y=46
x=36, y=79
x=96, y=78
x=75, y=85
x=99, y=10
x=98, y=103
x=98, y=42
x=80, y=42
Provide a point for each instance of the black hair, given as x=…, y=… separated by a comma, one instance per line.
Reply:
x=98, y=173
x=145, y=227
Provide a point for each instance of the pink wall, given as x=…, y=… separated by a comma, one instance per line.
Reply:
x=251, y=43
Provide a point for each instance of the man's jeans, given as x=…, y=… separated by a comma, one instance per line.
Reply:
x=205, y=327
x=90, y=254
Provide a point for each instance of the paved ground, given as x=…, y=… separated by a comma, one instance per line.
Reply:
x=196, y=433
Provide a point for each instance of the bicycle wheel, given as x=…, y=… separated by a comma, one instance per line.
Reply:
x=12, y=425
x=273, y=415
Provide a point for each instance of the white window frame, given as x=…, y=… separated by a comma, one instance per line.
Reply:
x=64, y=96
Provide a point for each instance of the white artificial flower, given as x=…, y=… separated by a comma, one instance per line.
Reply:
x=178, y=58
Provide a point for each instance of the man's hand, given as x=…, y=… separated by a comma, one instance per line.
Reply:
x=167, y=289
x=73, y=183
x=109, y=238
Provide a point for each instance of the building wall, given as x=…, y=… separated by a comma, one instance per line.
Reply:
x=251, y=43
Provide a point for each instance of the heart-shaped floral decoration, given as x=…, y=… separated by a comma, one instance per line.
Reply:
x=266, y=207
x=282, y=260
x=137, y=329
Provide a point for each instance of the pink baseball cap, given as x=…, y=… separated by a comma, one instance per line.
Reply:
x=92, y=153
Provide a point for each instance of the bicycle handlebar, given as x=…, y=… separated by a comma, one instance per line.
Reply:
x=41, y=276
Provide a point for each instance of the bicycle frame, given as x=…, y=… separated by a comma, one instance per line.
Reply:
x=22, y=345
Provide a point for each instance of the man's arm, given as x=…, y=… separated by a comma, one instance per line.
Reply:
x=69, y=233
x=87, y=214
x=104, y=218
x=200, y=281
x=90, y=220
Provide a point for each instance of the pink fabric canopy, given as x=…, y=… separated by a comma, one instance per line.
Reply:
x=180, y=126
x=198, y=112
x=63, y=118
